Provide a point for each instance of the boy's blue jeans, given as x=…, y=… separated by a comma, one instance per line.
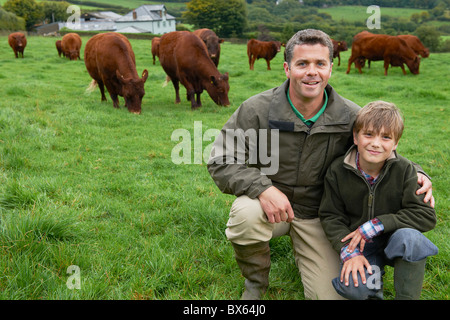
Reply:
x=407, y=244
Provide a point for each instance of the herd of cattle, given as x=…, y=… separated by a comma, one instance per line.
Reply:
x=192, y=58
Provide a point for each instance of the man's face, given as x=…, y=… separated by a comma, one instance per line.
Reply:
x=309, y=72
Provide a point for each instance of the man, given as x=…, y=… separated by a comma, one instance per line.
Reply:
x=312, y=126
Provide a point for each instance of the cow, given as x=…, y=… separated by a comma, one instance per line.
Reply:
x=71, y=45
x=59, y=48
x=415, y=44
x=393, y=50
x=212, y=42
x=155, y=48
x=184, y=57
x=262, y=49
x=17, y=41
x=110, y=61
x=338, y=47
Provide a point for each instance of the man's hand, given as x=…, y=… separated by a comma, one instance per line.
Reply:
x=426, y=188
x=276, y=205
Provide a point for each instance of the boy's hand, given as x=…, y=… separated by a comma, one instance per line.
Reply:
x=426, y=188
x=355, y=265
x=356, y=239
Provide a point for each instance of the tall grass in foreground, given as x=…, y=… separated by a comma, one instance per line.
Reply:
x=84, y=184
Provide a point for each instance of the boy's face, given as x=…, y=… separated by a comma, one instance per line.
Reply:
x=374, y=148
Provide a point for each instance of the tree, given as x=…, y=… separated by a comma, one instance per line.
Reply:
x=29, y=10
x=225, y=17
x=54, y=11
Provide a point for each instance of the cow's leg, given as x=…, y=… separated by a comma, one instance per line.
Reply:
x=115, y=100
x=403, y=69
x=386, y=66
x=15, y=53
x=199, y=101
x=176, y=86
x=268, y=64
x=339, y=59
x=350, y=61
x=101, y=86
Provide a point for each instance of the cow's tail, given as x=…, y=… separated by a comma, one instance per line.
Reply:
x=166, y=82
x=92, y=86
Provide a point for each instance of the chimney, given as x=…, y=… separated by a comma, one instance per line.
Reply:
x=134, y=14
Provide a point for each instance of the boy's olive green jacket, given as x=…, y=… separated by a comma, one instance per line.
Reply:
x=295, y=163
x=349, y=201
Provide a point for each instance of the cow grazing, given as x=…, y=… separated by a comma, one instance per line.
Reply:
x=415, y=44
x=155, y=48
x=212, y=42
x=262, y=49
x=59, y=48
x=71, y=45
x=338, y=47
x=110, y=61
x=17, y=41
x=393, y=50
x=185, y=59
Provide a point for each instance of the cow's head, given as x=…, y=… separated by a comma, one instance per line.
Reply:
x=133, y=91
x=277, y=45
x=73, y=54
x=218, y=88
x=425, y=53
x=413, y=65
x=213, y=45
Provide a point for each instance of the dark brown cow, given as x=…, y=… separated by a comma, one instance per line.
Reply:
x=262, y=49
x=415, y=44
x=212, y=42
x=393, y=50
x=59, y=48
x=185, y=59
x=17, y=41
x=338, y=47
x=71, y=45
x=110, y=61
x=155, y=48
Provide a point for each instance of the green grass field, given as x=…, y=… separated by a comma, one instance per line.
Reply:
x=84, y=184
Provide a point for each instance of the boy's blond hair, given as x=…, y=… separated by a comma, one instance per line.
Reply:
x=382, y=117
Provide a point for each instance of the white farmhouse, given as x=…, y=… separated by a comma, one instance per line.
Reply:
x=147, y=18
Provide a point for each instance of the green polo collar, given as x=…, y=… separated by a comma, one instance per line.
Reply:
x=311, y=121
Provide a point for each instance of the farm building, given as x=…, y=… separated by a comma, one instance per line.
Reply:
x=147, y=18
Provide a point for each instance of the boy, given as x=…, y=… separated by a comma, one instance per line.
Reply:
x=370, y=211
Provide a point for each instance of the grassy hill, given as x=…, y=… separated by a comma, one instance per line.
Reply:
x=83, y=184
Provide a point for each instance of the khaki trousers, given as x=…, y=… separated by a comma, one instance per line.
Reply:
x=316, y=260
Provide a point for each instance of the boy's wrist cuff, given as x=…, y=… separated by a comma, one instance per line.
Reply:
x=345, y=255
x=371, y=229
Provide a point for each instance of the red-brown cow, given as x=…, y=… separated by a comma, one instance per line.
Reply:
x=262, y=49
x=338, y=47
x=71, y=45
x=415, y=44
x=17, y=41
x=155, y=48
x=59, y=48
x=212, y=42
x=110, y=61
x=185, y=59
x=391, y=49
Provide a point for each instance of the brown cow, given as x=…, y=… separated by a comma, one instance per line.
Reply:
x=338, y=47
x=212, y=42
x=155, y=48
x=391, y=49
x=71, y=45
x=415, y=44
x=185, y=59
x=110, y=61
x=17, y=42
x=59, y=48
x=262, y=49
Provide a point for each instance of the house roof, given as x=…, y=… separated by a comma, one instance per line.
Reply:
x=147, y=13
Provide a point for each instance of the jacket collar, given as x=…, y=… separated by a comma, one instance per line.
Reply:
x=283, y=118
